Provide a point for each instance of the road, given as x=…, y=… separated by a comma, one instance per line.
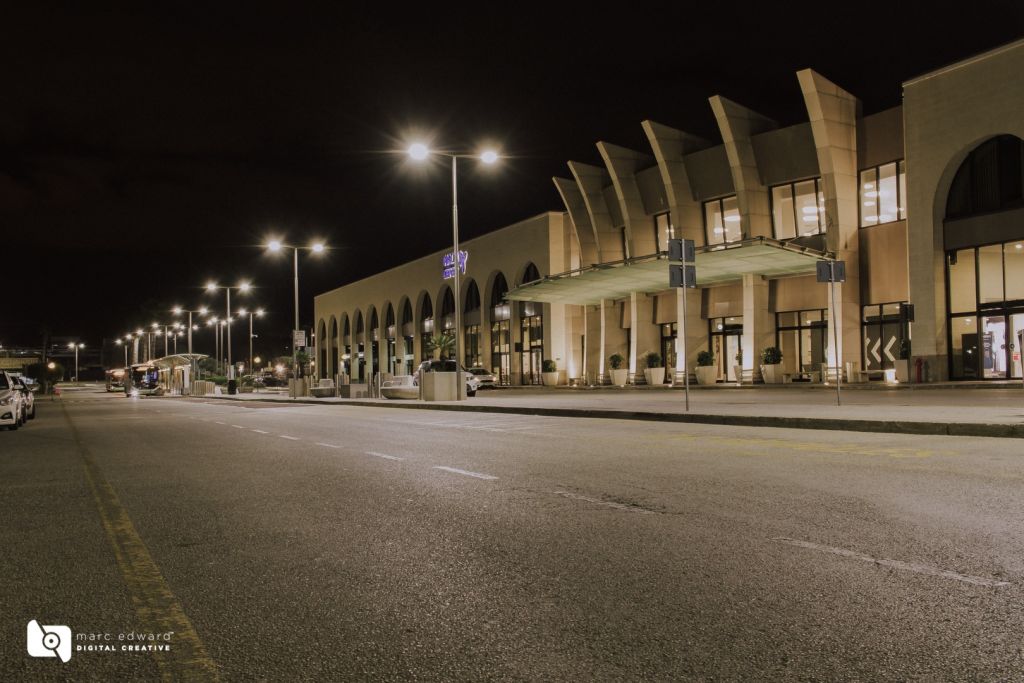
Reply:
x=333, y=543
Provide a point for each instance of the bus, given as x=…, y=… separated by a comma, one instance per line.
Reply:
x=115, y=379
x=144, y=380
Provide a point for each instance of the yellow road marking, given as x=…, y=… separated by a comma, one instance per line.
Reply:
x=156, y=606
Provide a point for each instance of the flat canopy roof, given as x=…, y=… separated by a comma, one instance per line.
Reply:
x=177, y=360
x=716, y=264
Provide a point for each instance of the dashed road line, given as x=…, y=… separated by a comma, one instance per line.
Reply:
x=383, y=455
x=895, y=564
x=220, y=423
x=327, y=445
x=259, y=431
x=464, y=472
x=606, y=503
x=290, y=438
x=238, y=426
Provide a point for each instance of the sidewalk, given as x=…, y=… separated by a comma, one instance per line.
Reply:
x=950, y=410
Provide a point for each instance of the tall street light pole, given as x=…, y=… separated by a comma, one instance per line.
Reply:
x=258, y=312
x=316, y=248
x=178, y=310
x=75, y=346
x=243, y=288
x=420, y=152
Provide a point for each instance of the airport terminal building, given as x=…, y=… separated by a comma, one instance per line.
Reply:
x=924, y=203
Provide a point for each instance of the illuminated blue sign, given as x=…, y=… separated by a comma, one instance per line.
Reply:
x=449, y=264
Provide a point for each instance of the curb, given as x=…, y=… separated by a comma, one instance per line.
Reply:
x=1004, y=431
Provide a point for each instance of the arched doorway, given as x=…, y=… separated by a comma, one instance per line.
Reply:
x=501, y=331
x=531, y=333
x=471, y=351
x=426, y=326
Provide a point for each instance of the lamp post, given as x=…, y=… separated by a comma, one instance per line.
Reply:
x=241, y=287
x=419, y=152
x=316, y=248
x=178, y=310
x=258, y=312
x=75, y=346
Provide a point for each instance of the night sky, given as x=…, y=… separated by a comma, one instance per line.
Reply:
x=145, y=149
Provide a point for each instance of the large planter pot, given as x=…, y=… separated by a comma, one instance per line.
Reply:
x=903, y=370
x=737, y=371
x=706, y=374
x=619, y=377
x=654, y=376
x=550, y=379
x=772, y=374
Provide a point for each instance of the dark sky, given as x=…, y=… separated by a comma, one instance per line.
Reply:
x=148, y=148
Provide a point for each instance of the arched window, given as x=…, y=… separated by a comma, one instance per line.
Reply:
x=359, y=322
x=530, y=274
x=989, y=179
x=472, y=297
x=389, y=316
x=407, y=312
x=346, y=328
x=499, y=290
x=447, y=303
x=374, y=321
x=428, y=308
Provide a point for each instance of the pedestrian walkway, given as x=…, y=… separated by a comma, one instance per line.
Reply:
x=996, y=411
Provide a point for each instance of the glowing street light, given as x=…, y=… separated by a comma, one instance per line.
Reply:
x=275, y=246
x=242, y=287
x=419, y=152
x=76, y=346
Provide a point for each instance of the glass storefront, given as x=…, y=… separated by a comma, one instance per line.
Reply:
x=531, y=328
x=802, y=336
x=668, y=350
x=501, y=356
x=471, y=346
x=885, y=334
x=985, y=297
x=726, y=336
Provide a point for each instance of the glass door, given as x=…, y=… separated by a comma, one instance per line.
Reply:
x=994, y=347
x=1016, y=327
x=733, y=348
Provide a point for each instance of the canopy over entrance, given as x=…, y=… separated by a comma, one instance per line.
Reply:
x=716, y=264
x=177, y=360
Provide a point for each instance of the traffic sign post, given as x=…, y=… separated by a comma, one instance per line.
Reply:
x=683, y=273
x=833, y=271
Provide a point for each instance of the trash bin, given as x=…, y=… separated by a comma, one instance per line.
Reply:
x=232, y=386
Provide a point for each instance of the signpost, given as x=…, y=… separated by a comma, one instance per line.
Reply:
x=833, y=271
x=683, y=273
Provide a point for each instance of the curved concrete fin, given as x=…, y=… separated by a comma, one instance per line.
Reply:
x=622, y=165
x=572, y=197
x=592, y=180
x=738, y=124
x=669, y=146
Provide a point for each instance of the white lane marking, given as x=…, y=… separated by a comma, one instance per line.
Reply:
x=383, y=455
x=260, y=431
x=290, y=438
x=327, y=445
x=238, y=426
x=465, y=472
x=220, y=423
x=895, y=564
x=606, y=503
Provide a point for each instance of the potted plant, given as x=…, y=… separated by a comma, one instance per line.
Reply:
x=771, y=364
x=706, y=371
x=903, y=363
x=619, y=373
x=550, y=373
x=654, y=373
x=441, y=345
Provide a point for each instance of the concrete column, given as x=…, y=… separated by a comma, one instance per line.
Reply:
x=591, y=181
x=602, y=356
x=696, y=331
x=622, y=165
x=644, y=334
x=833, y=113
x=758, y=324
x=738, y=124
x=669, y=146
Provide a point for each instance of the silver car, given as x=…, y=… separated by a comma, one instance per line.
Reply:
x=484, y=377
x=12, y=403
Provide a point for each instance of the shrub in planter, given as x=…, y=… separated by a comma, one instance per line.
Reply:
x=654, y=373
x=549, y=366
x=771, y=358
x=549, y=374
x=706, y=371
x=619, y=374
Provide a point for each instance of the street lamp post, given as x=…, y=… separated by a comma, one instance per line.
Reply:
x=243, y=288
x=258, y=312
x=420, y=152
x=316, y=248
x=75, y=346
x=178, y=310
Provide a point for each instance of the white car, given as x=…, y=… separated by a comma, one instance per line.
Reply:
x=448, y=366
x=12, y=406
x=27, y=395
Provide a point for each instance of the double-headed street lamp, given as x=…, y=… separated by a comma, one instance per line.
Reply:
x=259, y=313
x=178, y=310
x=316, y=248
x=76, y=346
x=420, y=152
x=242, y=287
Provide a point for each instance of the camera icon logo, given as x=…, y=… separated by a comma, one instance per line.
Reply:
x=49, y=641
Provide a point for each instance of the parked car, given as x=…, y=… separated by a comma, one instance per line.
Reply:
x=484, y=377
x=12, y=411
x=28, y=402
x=448, y=366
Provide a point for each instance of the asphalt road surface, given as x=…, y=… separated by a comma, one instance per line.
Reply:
x=263, y=542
